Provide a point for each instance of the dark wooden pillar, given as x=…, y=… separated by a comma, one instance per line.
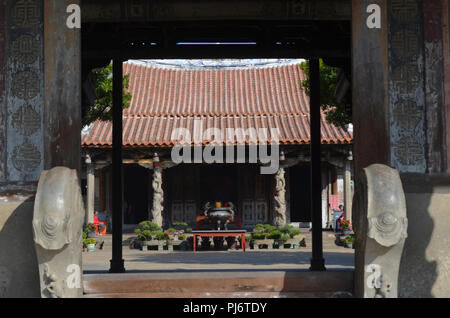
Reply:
x=317, y=261
x=117, y=263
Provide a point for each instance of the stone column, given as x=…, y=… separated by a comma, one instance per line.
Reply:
x=150, y=191
x=347, y=189
x=158, y=194
x=280, y=198
x=90, y=197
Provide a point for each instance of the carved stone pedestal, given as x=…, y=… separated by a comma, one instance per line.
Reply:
x=380, y=225
x=57, y=231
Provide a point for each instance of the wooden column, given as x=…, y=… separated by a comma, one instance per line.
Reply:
x=117, y=263
x=317, y=261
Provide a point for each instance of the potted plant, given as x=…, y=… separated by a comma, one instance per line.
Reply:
x=159, y=240
x=145, y=233
x=282, y=240
x=260, y=236
x=295, y=234
x=172, y=233
x=275, y=235
x=287, y=229
x=147, y=225
x=295, y=239
x=144, y=237
x=90, y=244
x=345, y=226
x=176, y=238
x=349, y=241
x=183, y=238
x=180, y=225
x=90, y=230
x=83, y=237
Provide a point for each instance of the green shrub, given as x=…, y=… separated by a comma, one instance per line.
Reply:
x=89, y=241
x=144, y=235
x=269, y=228
x=349, y=239
x=182, y=237
x=84, y=235
x=147, y=225
x=294, y=233
x=179, y=225
x=171, y=230
x=264, y=228
x=258, y=235
x=189, y=230
x=147, y=234
x=285, y=237
x=161, y=236
x=286, y=229
x=274, y=235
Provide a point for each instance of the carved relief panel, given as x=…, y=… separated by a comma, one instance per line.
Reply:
x=24, y=87
x=407, y=102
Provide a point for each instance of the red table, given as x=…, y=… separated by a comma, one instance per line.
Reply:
x=225, y=233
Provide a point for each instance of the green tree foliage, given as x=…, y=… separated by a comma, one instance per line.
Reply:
x=103, y=83
x=336, y=113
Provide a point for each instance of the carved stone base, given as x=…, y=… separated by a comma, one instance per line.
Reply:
x=380, y=231
x=57, y=228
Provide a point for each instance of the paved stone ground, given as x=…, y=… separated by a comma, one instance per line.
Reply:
x=336, y=258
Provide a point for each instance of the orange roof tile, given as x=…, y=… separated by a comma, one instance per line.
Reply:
x=165, y=99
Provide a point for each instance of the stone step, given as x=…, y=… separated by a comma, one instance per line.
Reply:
x=220, y=284
x=225, y=295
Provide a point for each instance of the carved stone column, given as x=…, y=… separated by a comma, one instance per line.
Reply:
x=381, y=230
x=158, y=194
x=280, y=198
x=57, y=228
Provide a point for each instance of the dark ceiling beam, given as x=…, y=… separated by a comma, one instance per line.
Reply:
x=175, y=10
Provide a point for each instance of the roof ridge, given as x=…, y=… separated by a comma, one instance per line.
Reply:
x=143, y=115
x=151, y=64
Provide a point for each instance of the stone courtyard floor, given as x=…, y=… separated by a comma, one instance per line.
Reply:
x=336, y=258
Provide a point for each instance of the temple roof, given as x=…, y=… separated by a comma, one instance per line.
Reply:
x=258, y=97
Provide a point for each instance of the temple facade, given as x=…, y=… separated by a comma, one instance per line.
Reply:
x=232, y=105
